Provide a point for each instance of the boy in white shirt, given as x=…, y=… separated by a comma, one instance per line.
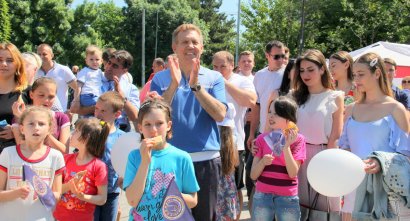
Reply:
x=89, y=79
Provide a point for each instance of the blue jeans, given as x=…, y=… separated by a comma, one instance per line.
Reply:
x=266, y=206
x=108, y=211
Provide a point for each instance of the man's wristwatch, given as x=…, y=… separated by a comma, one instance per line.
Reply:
x=196, y=87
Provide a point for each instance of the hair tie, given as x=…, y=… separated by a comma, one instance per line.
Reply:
x=373, y=62
x=103, y=123
x=145, y=104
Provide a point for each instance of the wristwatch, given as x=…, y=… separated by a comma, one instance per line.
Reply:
x=196, y=87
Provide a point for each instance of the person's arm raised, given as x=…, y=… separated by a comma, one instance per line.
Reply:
x=176, y=77
x=215, y=108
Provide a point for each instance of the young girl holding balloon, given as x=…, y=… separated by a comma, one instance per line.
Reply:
x=85, y=180
x=151, y=168
x=276, y=169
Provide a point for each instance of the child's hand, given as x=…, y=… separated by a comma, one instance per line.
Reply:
x=73, y=188
x=267, y=159
x=290, y=137
x=18, y=107
x=145, y=150
x=7, y=133
x=22, y=192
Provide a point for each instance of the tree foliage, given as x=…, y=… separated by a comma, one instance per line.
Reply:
x=5, y=27
x=221, y=30
x=94, y=23
x=171, y=14
x=38, y=21
x=330, y=25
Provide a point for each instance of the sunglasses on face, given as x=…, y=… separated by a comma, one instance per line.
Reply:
x=277, y=56
x=405, y=82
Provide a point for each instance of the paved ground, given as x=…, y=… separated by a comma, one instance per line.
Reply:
x=125, y=208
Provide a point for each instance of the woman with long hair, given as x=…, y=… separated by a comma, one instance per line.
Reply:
x=320, y=119
x=341, y=68
x=387, y=129
x=13, y=83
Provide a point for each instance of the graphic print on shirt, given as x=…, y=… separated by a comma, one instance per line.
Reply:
x=149, y=207
x=68, y=199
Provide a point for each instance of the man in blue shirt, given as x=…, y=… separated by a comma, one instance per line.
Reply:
x=197, y=97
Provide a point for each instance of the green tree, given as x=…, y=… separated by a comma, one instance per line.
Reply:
x=5, y=21
x=171, y=14
x=82, y=33
x=269, y=20
x=40, y=21
x=100, y=24
x=221, y=29
x=330, y=25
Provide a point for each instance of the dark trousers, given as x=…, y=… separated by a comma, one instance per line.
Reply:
x=108, y=211
x=208, y=176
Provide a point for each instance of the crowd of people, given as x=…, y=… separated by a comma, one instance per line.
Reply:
x=206, y=130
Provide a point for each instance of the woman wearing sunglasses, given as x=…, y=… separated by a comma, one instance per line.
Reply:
x=405, y=83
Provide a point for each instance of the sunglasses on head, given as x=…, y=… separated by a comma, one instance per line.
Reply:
x=405, y=82
x=277, y=56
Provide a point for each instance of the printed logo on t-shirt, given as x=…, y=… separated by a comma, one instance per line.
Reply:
x=173, y=207
x=150, y=205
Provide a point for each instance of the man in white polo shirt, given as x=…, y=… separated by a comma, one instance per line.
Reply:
x=241, y=93
x=62, y=74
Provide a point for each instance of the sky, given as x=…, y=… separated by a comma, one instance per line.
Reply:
x=230, y=7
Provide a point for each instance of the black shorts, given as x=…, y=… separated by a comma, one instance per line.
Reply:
x=239, y=170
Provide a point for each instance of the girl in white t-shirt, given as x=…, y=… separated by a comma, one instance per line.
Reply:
x=17, y=198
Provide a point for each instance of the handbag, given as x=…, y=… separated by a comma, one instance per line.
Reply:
x=312, y=214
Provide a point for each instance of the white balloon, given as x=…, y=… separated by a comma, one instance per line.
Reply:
x=335, y=172
x=121, y=148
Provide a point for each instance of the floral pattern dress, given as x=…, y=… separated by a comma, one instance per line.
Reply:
x=227, y=201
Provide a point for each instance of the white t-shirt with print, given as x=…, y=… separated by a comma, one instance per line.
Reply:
x=29, y=209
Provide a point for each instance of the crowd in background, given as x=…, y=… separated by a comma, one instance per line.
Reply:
x=211, y=132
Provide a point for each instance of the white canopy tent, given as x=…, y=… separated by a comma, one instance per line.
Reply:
x=400, y=53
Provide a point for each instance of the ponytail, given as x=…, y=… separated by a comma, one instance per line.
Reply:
x=94, y=132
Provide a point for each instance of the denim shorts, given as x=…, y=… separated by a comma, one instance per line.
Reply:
x=266, y=206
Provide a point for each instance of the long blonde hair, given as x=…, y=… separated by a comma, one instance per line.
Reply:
x=374, y=62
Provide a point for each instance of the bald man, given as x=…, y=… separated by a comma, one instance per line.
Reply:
x=60, y=73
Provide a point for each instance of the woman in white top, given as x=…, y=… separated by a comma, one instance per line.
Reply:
x=320, y=119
